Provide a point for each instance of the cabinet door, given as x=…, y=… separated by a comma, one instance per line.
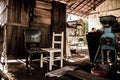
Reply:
x=59, y=17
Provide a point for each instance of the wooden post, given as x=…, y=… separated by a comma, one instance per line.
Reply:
x=4, y=55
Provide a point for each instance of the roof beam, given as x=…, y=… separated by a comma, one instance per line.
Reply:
x=79, y=10
x=79, y=4
x=89, y=10
x=75, y=5
x=83, y=7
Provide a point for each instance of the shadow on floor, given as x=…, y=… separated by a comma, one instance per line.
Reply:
x=18, y=71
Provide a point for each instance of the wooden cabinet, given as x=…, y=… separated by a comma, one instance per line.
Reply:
x=59, y=19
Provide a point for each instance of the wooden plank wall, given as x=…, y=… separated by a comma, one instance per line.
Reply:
x=18, y=13
x=42, y=20
x=18, y=18
x=30, y=14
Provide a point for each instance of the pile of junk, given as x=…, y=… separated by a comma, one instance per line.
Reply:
x=104, y=47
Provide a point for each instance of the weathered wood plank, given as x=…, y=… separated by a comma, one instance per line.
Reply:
x=42, y=20
x=82, y=75
x=42, y=13
x=43, y=5
x=45, y=0
x=18, y=11
x=25, y=12
x=118, y=3
x=17, y=24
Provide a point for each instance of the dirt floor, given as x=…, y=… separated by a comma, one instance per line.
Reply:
x=18, y=71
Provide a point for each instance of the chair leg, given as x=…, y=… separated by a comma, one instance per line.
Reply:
x=26, y=56
x=61, y=60
x=51, y=61
x=30, y=62
x=41, y=60
x=52, y=58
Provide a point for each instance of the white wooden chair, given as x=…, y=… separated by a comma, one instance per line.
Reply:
x=54, y=50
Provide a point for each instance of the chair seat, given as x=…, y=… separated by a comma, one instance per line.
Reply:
x=51, y=49
x=36, y=51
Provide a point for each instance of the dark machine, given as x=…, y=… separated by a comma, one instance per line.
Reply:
x=108, y=59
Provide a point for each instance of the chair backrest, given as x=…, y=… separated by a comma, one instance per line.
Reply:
x=32, y=38
x=58, y=40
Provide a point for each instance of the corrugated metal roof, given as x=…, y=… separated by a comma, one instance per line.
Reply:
x=81, y=7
